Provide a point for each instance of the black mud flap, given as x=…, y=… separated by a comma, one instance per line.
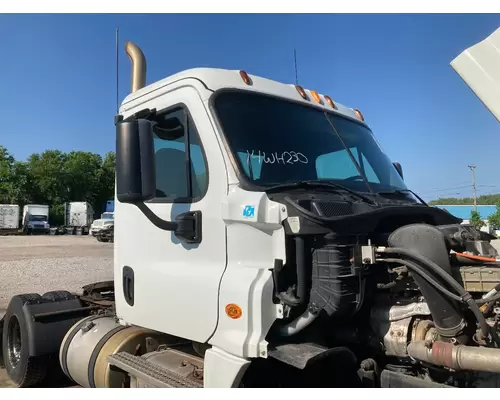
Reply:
x=47, y=323
x=301, y=355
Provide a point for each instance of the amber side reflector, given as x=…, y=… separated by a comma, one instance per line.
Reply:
x=359, y=115
x=233, y=311
x=316, y=96
x=245, y=78
x=301, y=91
x=330, y=102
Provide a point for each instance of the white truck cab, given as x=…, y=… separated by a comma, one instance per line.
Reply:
x=195, y=154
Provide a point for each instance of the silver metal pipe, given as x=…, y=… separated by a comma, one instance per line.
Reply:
x=138, y=60
x=457, y=357
x=298, y=324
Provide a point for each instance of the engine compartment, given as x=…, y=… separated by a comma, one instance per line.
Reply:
x=407, y=287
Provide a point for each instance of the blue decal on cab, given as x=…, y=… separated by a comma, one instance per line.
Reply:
x=249, y=211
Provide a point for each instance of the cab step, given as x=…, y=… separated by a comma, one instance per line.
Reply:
x=144, y=373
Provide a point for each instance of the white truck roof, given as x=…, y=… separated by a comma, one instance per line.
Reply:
x=479, y=67
x=215, y=79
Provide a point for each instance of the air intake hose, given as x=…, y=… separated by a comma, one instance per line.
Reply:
x=430, y=243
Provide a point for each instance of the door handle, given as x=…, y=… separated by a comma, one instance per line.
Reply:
x=128, y=285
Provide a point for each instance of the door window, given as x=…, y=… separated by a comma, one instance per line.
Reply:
x=181, y=176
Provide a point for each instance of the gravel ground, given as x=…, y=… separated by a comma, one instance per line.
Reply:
x=43, y=263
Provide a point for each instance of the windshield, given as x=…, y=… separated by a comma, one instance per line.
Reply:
x=107, y=215
x=276, y=141
x=38, y=218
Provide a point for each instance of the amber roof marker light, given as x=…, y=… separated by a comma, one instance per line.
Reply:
x=359, y=115
x=316, y=96
x=301, y=91
x=246, y=78
x=330, y=102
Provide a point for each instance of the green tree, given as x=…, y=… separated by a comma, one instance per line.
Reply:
x=488, y=199
x=106, y=182
x=475, y=220
x=49, y=178
x=494, y=219
x=6, y=163
x=54, y=177
x=22, y=183
x=82, y=172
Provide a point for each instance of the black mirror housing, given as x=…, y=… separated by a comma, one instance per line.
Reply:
x=399, y=168
x=135, y=161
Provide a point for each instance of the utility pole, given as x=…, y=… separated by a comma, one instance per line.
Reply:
x=472, y=168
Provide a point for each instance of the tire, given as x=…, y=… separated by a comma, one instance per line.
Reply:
x=58, y=295
x=98, y=237
x=23, y=370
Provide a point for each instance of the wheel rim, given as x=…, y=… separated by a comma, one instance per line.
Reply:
x=14, y=341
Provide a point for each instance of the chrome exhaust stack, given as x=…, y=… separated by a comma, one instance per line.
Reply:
x=138, y=60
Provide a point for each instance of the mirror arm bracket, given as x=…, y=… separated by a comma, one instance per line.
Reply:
x=155, y=220
x=187, y=225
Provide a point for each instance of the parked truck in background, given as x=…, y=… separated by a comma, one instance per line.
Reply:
x=36, y=219
x=9, y=217
x=301, y=259
x=78, y=217
x=106, y=220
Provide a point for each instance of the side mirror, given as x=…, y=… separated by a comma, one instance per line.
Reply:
x=135, y=161
x=399, y=168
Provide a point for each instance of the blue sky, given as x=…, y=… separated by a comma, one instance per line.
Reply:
x=57, y=79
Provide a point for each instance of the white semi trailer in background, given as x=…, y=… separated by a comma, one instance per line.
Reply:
x=78, y=217
x=9, y=217
x=264, y=239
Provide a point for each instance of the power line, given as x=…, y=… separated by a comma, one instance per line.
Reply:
x=446, y=189
x=430, y=191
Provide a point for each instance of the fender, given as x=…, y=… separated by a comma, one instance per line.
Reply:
x=48, y=322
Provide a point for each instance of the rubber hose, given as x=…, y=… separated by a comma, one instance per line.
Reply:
x=423, y=274
x=298, y=324
x=485, y=328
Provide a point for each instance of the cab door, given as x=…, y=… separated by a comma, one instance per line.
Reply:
x=162, y=281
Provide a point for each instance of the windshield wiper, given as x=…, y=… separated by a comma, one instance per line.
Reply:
x=319, y=182
x=404, y=191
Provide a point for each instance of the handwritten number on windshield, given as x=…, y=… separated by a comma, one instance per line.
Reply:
x=285, y=157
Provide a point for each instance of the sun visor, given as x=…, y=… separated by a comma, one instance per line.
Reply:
x=479, y=67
